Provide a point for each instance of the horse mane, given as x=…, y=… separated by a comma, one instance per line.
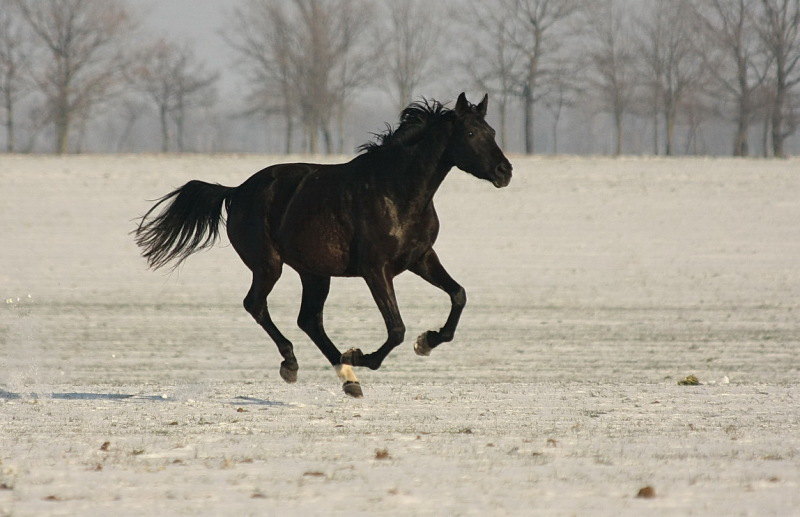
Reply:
x=415, y=119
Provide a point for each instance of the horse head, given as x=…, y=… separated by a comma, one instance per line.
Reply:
x=472, y=147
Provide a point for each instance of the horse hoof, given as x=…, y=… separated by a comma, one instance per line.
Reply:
x=353, y=389
x=422, y=347
x=352, y=357
x=288, y=374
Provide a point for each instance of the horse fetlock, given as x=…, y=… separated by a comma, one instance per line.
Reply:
x=353, y=357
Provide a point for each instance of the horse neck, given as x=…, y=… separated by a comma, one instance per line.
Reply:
x=427, y=167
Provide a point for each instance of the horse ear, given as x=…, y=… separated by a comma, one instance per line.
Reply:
x=462, y=105
x=482, y=106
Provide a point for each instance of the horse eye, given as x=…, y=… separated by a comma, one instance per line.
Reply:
x=470, y=134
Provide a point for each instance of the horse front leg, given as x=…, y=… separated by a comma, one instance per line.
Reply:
x=430, y=269
x=382, y=289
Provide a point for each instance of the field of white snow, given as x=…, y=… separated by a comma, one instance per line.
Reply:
x=595, y=285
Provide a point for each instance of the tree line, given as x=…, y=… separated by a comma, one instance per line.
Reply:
x=76, y=70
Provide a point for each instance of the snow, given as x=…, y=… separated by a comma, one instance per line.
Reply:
x=594, y=285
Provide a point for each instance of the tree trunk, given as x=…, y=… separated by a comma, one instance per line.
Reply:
x=527, y=95
x=690, y=148
x=162, y=115
x=669, y=121
x=62, y=133
x=618, y=129
x=765, y=134
x=10, y=144
x=340, y=131
x=180, y=119
x=503, y=115
x=556, y=117
x=326, y=135
x=740, y=140
x=179, y=126
x=740, y=147
x=404, y=92
x=777, y=124
x=656, y=136
x=311, y=135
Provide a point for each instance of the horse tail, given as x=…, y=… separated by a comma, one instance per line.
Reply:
x=189, y=223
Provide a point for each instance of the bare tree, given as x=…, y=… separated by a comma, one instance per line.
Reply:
x=312, y=53
x=358, y=62
x=537, y=37
x=672, y=57
x=332, y=60
x=651, y=43
x=610, y=61
x=413, y=32
x=84, y=39
x=130, y=111
x=261, y=34
x=15, y=58
x=733, y=57
x=779, y=28
x=560, y=95
x=494, y=61
x=172, y=78
x=152, y=75
x=193, y=87
x=696, y=111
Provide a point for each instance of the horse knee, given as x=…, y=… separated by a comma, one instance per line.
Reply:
x=250, y=306
x=397, y=334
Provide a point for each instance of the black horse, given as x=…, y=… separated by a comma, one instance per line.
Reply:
x=372, y=217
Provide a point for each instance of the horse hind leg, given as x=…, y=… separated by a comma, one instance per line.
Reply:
x=254, y=246
x=256, y=304
x=315, y=292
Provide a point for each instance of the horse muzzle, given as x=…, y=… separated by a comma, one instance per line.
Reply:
x=502, y=174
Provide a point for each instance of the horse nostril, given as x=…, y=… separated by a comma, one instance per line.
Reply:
x=502, y=173
x=503, y=168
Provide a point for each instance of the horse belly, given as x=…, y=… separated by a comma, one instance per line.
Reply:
x=316, y=245
x=327, y=257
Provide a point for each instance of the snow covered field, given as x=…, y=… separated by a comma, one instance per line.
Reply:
x=594, y=286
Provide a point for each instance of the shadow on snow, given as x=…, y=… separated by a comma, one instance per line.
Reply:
x=10, y=395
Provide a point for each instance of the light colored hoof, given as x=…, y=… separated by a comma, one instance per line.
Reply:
x=421, y=347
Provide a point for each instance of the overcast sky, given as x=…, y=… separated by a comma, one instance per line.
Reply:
x=198, y=21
